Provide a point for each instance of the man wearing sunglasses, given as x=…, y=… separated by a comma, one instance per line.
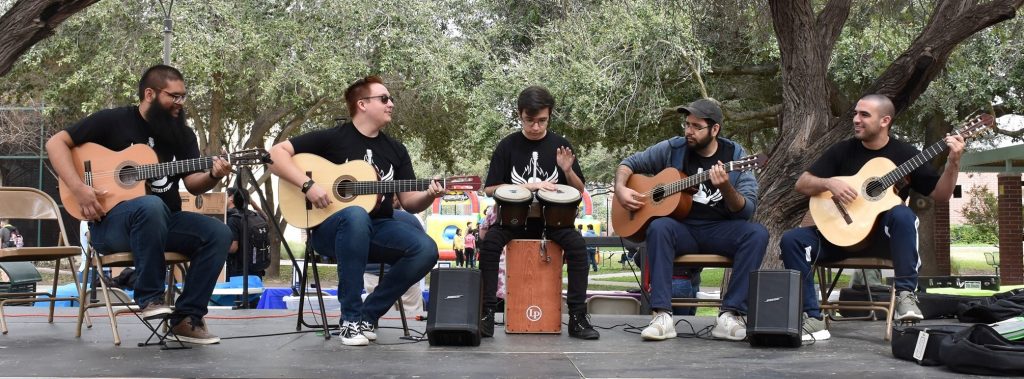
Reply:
x=536, y=159
x=150, y=225
x=718, y=221
x=352, y=235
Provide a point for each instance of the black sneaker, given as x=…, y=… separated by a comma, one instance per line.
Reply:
x=579, y=327
x=487, y=323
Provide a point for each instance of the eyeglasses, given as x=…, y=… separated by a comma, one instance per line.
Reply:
x=176, y=98
x=383, y=98
x=694, y=127
x=541, y=122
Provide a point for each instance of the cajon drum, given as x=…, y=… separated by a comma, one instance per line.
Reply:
x=533, y=282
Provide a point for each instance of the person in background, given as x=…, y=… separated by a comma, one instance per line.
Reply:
x=459, y=245
x=591, y=251
x=470, y=245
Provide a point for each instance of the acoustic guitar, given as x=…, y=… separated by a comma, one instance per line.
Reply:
x=848, y=225
x=353, y=183
x=669, y=193
x=123, y=173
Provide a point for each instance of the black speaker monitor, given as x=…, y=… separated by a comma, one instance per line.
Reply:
x=774, y=303
x=453, y=309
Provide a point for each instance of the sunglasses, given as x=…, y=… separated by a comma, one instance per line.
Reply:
x=383, y=98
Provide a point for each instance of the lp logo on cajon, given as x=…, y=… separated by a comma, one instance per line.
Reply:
x=534, y=313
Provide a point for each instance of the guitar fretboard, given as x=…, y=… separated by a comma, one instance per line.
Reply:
x=159, y=170
x=907, y=167
x=381, y=187
x=688, y=182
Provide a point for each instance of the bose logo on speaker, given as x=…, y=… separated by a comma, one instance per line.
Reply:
x=453, y=297
x=772, y=299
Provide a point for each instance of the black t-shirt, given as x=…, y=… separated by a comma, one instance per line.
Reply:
x=518, y=160
x=344, y=143
x=708, y=203
x=847, y=157
x=119, y=128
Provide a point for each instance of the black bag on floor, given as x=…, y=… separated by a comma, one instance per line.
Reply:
x=981, y=350
x=999, y=307
x=905, y=342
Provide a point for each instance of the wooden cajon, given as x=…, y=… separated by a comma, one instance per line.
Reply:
x=533, y=282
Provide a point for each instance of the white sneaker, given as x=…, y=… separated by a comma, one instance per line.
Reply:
x=814, y=329
x=352, y=335
x=368, y=330
x=660, y=328
x=730, y=326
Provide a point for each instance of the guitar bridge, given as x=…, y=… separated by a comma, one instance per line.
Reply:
x=842, y=210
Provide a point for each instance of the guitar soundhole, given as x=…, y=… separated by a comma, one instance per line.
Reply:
x=658, y=194
x=127, y=175
x=345, y=189
x=874, y=188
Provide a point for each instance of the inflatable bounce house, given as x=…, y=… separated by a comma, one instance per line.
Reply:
x=456, y=209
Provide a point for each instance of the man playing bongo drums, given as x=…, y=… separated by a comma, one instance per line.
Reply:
x=536, y=160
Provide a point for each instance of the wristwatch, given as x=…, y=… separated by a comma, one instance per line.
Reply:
x=307, y=185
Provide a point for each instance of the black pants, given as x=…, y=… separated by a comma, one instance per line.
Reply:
x=573, y=247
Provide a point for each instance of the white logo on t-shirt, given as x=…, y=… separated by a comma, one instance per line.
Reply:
x=533, y=173
x=707, y=194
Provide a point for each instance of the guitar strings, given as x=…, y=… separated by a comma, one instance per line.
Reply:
x=153, y=167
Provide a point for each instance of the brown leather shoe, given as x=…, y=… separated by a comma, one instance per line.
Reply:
x=155, y=309
x=187, y=331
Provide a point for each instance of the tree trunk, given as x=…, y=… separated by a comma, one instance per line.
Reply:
x=29, y=21
x=806, y=42
x=808, y=127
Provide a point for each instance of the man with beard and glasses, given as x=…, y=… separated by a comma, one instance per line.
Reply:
x=897, y=236
x=152, y=224
x=718, y=223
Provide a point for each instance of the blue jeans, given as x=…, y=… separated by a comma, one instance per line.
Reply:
x=355, y=239
x=686, y=288
x=896, y=238
x=741, y=240
x=147, y=228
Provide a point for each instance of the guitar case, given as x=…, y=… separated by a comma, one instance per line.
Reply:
x=933, y=306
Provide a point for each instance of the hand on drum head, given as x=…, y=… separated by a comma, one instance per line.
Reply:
x=541, y=186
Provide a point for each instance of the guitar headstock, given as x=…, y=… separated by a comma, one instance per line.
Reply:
x=249, y=157
x=976, y=125
x=749, y=162
x=463, y=183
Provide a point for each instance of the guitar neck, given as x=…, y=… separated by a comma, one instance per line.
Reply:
x=386, y=186
x=692, y=181
x=159, y=170
x=912, y=164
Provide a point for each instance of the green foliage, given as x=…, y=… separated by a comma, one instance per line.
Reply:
x=982, y=212
x=971, y=234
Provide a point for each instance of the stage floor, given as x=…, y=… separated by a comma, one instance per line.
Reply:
x=35, y=348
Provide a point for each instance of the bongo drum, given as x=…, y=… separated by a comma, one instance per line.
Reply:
x=512, y=204
x=559, y=207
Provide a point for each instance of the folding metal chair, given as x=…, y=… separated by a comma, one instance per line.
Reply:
x=123, y=259
x=828, y=279
x=32, y=204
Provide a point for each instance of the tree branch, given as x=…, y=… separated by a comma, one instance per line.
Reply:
x=767, y=69
x=768, y=112
x=29, y=21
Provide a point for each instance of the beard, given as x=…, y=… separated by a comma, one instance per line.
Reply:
x=699, y=144
x=163, y=126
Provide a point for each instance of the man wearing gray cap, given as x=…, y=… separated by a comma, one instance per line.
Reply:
x=718, y=222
